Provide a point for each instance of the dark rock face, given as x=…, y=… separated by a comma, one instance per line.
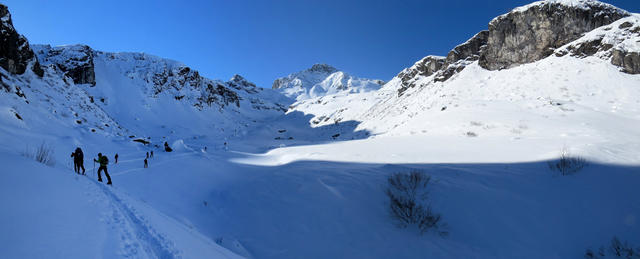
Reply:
x=323, y=68
x=462, y=55
x=175, y=79
x=218, y=94
x=586, y=49
x=525, y=36
x=240, y=83
x=528, y=34
x=444, y=68
x=628, y=61
x=74, y=61
x=15, y=53
x=278, y=83
x=469, y=50
x=425, y=67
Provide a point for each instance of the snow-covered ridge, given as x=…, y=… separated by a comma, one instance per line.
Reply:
x=582, y=4
x=320, y=80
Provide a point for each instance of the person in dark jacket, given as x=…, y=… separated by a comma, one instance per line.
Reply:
x=104, y=161
x=151, y=153
x=78, y=160
x=146, y=163
x=116, y=157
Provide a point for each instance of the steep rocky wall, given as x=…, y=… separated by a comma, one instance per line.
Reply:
x=15, y=53
x=531, y=33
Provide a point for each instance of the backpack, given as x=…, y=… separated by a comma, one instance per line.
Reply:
x=104, y=161
x=79, y=154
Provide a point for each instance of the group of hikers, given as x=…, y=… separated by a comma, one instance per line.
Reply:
x=78, y=163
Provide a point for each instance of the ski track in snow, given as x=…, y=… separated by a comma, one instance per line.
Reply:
x=136, y=233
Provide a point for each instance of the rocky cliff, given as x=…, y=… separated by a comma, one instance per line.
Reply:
x=533, y=32
x=524, y=35
x=15, y=53
x=75, y=61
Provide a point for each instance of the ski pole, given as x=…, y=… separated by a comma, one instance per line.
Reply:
x=94, y=168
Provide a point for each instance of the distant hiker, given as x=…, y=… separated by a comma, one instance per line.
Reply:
x=205, y=148
x=147, y=156
x=116, y=157
x=166, y=147
x=146, y=164
x=151, y=153
x=78, y=160
x=104, y=161
x=225, y=146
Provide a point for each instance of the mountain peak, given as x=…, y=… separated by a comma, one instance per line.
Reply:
x=322, y=68
x=237, y=78
x=574, y=4
x=320, y=80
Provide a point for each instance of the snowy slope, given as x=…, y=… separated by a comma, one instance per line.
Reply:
x=52, y=213
x=320, y=80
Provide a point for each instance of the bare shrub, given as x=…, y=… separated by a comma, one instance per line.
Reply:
x=42, y=154
x=567, y=163
x=617, y=249
x=408, y=194
x=471, y=134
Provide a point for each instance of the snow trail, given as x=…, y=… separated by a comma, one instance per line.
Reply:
x=153, y=244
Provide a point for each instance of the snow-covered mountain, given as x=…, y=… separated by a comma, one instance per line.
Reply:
x=321, y=80
x=138, y=89
x=483, y=121
x=554, y=55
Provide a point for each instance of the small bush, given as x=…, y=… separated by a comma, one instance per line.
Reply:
x=43, y=154
x=616, y=249
x=567, y=164
x=408, y=194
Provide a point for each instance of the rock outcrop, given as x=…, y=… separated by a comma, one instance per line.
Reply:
x=533, y=32
x=628, y=61
x=528, y=34
x=240, y=83
x=15, y=53
x=425, y=67
x=75, y=61
x=619, y=42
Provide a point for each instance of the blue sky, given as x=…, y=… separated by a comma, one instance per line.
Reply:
x=263, y=40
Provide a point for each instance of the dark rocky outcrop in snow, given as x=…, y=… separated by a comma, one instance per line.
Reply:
x=240, y=83
x=618, y=42
x=425, y=67
x=628, y=61
x=322, y=68
x=529, y=34
x=218, y=94
x=15, y=53
x=462, y=55
x=74, y=61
